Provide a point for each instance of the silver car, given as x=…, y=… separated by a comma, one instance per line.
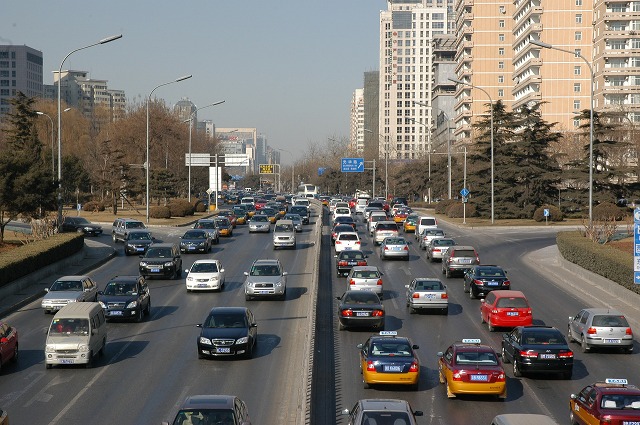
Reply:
x=259, y=223
x=297, y=221
x=438, y=247
x=383, y=230
x=394, y=247
x=69, y=289
x=600, y=327
x=365, y=278
x=427, y=235
x=265, y=279
x=426, y=294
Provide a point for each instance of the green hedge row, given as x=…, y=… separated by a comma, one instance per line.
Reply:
x=19, y=262
x=601, y=259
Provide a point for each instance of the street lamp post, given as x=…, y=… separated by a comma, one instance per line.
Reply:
x=492, y=167
x=190, y=120
x=292, y=166
x=103, y=41
x=386, y=164
x=53, y=160
x=146, y=164
x=591, y=106
x=426, y=127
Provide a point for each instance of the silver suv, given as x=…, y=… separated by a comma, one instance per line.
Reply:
x=122, y=226
x=284, y=234
x=600, y=327
x=458, y=259
x=265, y=279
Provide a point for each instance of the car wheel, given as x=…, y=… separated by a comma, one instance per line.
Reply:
x=449, y=393
x=366, y=385
x=482, y=318
x=471, y=294
x=341, y=327
x=464, y=287
x=49, y=366
x=445, y=310
x=14, y=359
x=503, y=356
x=566, y=375
x=516, y=369
x=104, y=344
x=200, y=356
x=414, y=387
x=147, y=310
x=629, y=350
x=412, y=310
x=447, y=274
x=249, y=353
x=113, y=237
x=583, y=344
x=247, y=297
x=443, y=270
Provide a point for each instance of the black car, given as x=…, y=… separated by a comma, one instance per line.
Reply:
x=360, y=309
x=125, y=297
x=345, y=220
x=80, y=224
x=302, y=211
x=228, y=331
x=196, y=240
x=480, y=280
x=161, y=259
x=137, y=242
x=345, y=260
x=537, y=349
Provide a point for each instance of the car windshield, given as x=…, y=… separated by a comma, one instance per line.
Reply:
x=299, y=210
x=223, y=222
x=476, y=357
x=620, y=401
x=514, y=302
x=609, y=321
x=265, y=270
x=69, y=327
x=260, y=218
x=208, y=416
x=66, y=285
x=387, y=226
x=195, y=235
x=139, y=236
x=384, y=418
x=80, y=220
x=226, y=321
x=292, y=217
x=284, y=228
x=159, y=253
x=269, y=211
x=204, y=268
x=390, y=348
x=429, y=285
x=120, y=288
x=361, y=297
x=543, y=338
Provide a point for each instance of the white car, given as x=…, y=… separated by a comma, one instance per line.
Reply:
x=425, y=222
x=341, y=212
x=205, y=275
x=347, y=241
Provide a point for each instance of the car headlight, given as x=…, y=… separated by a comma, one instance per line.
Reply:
x=249, y=284
x=204, y=340
x=243, y=340
x=103, y=305
x=83, y=348
x=190, y=279
x=72, y=301
x=168, y=264
x=143, y=264
x=50, y=348
x=279, y=283
x=87, y=229
x=132, y=304
x=201, y=244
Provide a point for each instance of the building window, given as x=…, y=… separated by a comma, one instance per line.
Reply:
x=578, y=52
x=501, y=51
x=577, y=87
x=576, y=105
x=500, y=37
x=503, y=10
x=635, y=62
x=501, y=23
x=501, y=65
x=577, y=36
x=500, y=92
x=500, y=78
x=578, y=18
x=576, y=123
x=578, y=2
x=577, y=70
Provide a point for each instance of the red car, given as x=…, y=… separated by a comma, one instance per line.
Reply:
x=260, y=204
x=352, y=203
x=505, y=308
x=609, y=402
x=8, y=344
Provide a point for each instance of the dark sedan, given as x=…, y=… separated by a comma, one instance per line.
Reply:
x=537, y=349
x=480, y=280
x=346, y=260
x=360, y=309
x=345, y=220
x=80, y=225
x=195, y=240
x=137, y=242
x=126, y=297
x=228, y=331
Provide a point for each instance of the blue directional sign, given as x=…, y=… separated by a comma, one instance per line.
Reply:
x=464, y=192
x=321, y=170
x=352, y=165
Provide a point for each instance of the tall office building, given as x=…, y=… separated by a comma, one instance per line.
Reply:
x=356, y=125
x=185, y=109
x=443, y=94
x=371, y=99
x=20, y=71
x=407, y=29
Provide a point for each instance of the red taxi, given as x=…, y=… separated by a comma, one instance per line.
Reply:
x=612, y=402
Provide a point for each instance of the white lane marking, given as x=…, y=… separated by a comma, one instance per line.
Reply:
x=33, y=378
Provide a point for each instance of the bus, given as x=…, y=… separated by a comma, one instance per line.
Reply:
x=307, y=190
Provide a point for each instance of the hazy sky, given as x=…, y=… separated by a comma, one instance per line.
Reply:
x=288, y=68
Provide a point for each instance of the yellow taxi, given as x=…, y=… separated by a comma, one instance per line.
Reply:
x=241, y=214
x=613, y=401
x=224, y=226
x=401, y=215
x=251, y=210
x=410, y=223
x=325, y=200
x=387, y=358
x=272, y=215
x=469, y=367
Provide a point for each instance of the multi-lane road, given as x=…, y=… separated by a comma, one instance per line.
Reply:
x=150, y=367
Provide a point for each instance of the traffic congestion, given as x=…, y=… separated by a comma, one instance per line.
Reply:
x=428, y=324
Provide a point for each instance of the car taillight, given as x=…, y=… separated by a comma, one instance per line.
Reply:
x=377, y=313
x=529, y=354
x=565, y=354
x=628, y=332
x=362, y=263
x=342, y=263
x=495, y=311
x=415, y=295
x=444, y=296
x=457, y=376
x=528, y=313
x=386, y=248
x=406, y=248
x=501, y=377
x=592, y=331
x=414, y=367
x=338, y=242
x=352, y=282
x=357, y=242
x=370, y=366
x=347, y=313
x=478, y=282
x=506, y=283
x=436, y=249
x=379, y=282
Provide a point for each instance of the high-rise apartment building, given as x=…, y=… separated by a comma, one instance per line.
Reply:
x=407, y=29
x=20, y=71
x=443, y=94
x=356, y=125
x=371, y=99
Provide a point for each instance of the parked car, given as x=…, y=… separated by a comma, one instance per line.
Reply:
x=365, y=278
x=505, y=309
x=210, y=226
x=458, y=259
x=600, y=327
x=360, y=309
x=438, y=247
x=195, y=240
x=212, y=409
x=122, y=226
x=537, y=349
x=205, y=275
x=125, y=297
x=266, y=279
x=161, y=259
x=8, y=344
x=228, y=331
x=80, y=225
x=394, y=247
x=69, y=289
x=479, y=280
x=427, y=294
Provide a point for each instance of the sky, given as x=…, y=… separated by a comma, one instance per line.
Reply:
x=287, y=68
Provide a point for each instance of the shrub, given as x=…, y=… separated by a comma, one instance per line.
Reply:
x=442, y=206
x=159, y=212
x=93, y=206
x=607, y=211
x=199, y=206
x=457, y=210
x=554, y=213
x=180, y=208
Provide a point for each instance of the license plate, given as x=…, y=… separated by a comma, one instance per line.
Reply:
x=67, y=361
x=395, y=248
x=223, y=350
x=362, y=313
x=492, y=283
x=479, y=378
x=202, y=285
x=352, y=263
x=263, y=292
x=347, y=248
x=547, y=356
x=612, y=341
x=155, y=270
x=630, y=422
x=393, y=368
x=512, y=313
x=430, y=296
x=115, y=313
x=465, y=261
x=191, y=248
x=139, y=249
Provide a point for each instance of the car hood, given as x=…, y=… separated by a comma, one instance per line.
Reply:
x=70, y=342
x=234, y=333
x=192, y=241
x=63, y=295
x=264, y=279
x=203, y=275
x=117, y=298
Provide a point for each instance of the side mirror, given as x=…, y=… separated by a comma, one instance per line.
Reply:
x=406, y=286
x=418, y=413
x=246, y=273
x=573, y=396
x=285, y=273
x=439, y=354
x=46, y=289
x=4, y=340
x=93, y=331
x=186, y=270
x=360, y=346
x=199, y=325
x=346, y=412
x=221, y=270
x=415, y=346
x=505, y=336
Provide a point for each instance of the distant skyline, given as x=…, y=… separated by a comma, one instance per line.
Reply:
x=288, y=68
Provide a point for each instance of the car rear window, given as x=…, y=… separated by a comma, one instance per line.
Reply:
x=429, y=285
x=427, y=222
x=366, y=274
x=352, y=255
x=464, y=253
x=387, y=226
x=512, y=303
x=348, y=237
x=609, y=320
x=475, y=357
x=543, y=338
x=443, y=242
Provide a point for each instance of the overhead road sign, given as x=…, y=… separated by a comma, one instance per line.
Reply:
x=352, y=165
x=267, y=169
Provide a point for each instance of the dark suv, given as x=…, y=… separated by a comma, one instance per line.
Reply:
x=125, y=297
x=161, y=259
x=122, y=226
x=480, y=280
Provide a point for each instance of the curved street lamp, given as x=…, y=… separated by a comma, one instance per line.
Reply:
x=103, y=41
x=491, y=103
x=146, y=164
x=53, y=160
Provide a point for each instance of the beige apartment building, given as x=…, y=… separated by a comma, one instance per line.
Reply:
x=356, y=123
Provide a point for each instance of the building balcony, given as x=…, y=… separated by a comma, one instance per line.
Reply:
x=529, y=97
x=466, y=3
x=467, y=30
x=467, y=16
x=463, y=61
x=621, y=16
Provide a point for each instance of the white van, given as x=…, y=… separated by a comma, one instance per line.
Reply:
x=78, y=332
x=523, y=419
x=425, y=222
x=249, y=200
